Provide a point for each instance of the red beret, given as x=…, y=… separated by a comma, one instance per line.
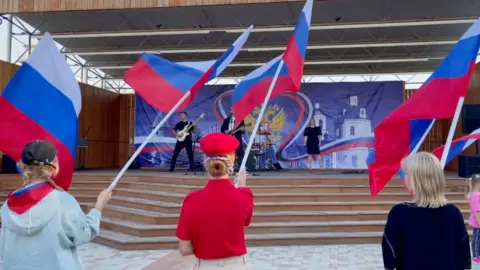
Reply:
x=218, y=144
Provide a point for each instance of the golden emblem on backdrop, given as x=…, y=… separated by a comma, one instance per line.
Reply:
x=274, y=116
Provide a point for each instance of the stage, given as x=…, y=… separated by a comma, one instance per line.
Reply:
x=292, y=207
x=286, y=174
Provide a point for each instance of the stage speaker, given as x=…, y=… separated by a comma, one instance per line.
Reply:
x=9, y=166
x=468, y=166
x=471, y=118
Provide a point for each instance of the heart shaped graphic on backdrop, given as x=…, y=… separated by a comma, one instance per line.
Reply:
x=287, y=116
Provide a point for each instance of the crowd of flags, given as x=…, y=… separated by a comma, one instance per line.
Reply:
x=43, y=99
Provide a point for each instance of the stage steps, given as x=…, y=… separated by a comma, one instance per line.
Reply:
x=289, y=209
x=129, y=242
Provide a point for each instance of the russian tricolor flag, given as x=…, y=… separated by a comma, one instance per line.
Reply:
x=163, y=83
x=458, y=145
x=42, y=101
x=251, y=91
x=399, y=133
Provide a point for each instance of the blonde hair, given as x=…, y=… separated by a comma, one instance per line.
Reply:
x=218, y=166
x=427, y=181
x=472, y=183
x=32, y=172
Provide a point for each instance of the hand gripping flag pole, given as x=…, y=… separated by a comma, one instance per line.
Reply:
x=144, y=143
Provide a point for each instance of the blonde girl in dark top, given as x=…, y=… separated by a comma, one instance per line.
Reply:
x=428, y=233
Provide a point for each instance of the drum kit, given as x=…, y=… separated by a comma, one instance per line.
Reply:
x=258, y=152
x=260, y=146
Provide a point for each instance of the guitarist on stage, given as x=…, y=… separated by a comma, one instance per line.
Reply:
x=187, y=143
x=228, y=127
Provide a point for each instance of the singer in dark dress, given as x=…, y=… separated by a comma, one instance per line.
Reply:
x=187, y=143
x=228, y=126
x=312, y=135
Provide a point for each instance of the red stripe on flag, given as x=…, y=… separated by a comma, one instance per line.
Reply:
x=152, y=87
x=256, y=96
x=294, y=62
x=22, y=130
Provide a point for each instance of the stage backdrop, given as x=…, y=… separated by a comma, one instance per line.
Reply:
x=346, y=112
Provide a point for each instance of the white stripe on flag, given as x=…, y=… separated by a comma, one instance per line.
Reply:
x=47, y=60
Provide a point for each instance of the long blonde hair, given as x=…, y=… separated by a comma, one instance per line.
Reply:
x=426, y=179
x=472, y=183
x=34, y=172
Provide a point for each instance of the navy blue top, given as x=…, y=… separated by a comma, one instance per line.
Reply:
x=418, y=238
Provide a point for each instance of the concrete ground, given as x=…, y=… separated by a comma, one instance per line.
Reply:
x=331, y=257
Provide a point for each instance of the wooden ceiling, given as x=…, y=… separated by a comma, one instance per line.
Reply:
x=22, y=6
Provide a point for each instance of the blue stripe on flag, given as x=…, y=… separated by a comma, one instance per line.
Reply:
x=417, y=129
x=179, y=76
x=456, y=64
x=30, y=93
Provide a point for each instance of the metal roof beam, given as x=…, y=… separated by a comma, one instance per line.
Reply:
x=335, y=26
x=266, y=49
x=426, y=74
x=339, y=62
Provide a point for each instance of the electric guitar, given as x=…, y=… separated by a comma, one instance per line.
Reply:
x=238, y=129
x=183, y=134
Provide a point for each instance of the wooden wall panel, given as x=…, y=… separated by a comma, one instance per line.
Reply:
x=6, y=72
x=105, y=120
x=22, y=6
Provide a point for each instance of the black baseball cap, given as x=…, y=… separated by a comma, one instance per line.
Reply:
x=39, y=153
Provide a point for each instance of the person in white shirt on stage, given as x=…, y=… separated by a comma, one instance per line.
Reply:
x=228, y=127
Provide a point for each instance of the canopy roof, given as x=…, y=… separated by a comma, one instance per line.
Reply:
x=347, y=37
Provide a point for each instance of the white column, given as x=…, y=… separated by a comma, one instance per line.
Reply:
x=85, y=76
x=29, y=45
x=8, y=46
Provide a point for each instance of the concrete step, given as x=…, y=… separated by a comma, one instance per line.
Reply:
x=285, y=188
x=150, y=217
x=151, y=230
x=171, y=197
x=184, y=189
x=129, y=242
x=165, y=207
x=182, y=179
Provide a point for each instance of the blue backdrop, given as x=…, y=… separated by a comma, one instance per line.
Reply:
x=346, y=112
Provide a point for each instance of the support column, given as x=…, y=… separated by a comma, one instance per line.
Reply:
x=8, y=47
x=85, y=76
x=29, y=45
x=103, y=84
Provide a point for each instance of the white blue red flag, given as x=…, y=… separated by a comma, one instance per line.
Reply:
x=163, y=83
x=399, y=133
x=42, y=101
x=251, y=91
x=458, y=145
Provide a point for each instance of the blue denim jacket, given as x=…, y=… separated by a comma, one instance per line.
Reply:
x=46, y=236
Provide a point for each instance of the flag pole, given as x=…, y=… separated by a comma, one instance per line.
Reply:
x=144, y=143
x=419, y=143
x=451, y=132
x=260, y=116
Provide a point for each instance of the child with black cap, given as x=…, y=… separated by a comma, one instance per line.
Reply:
x=41, y=224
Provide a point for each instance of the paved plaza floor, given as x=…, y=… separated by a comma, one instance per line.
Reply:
x=334, y=257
